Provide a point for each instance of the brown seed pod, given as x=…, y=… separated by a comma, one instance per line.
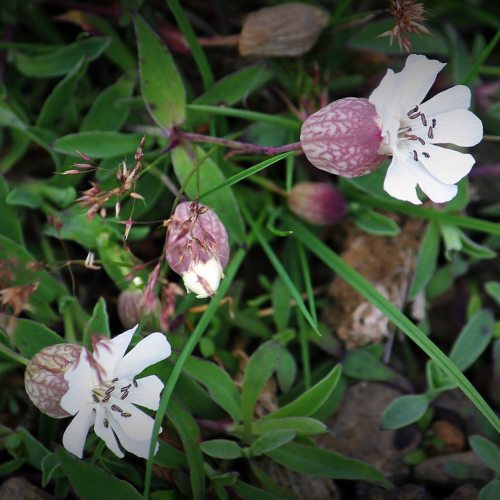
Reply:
x=290, y=29
x=44, y=377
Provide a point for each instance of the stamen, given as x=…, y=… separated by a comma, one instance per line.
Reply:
x=114, y=380
x=414, y=110
x=421, y=141
x=126, y=388
x=430, y=134
x=110, y=390
x=135, y=383
x=415, y=155
x=433, y=122
x=427, y=155
x=95, y=398
x=116, y=408
x=105, y=423
x=106, y=398
x=415, y=116
x=126, y=415
x=124, y=395
x=424, y=120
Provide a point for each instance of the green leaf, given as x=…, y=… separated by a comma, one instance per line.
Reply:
x=61, y=97
x=426, y=261
x=473, y=339
x=492, y=289
x=286, y=371
x=271, y=441
x=404, y=411
x=61, y=60
x=259, y=369
x=98, y=324
x=10, y=225
x=8, y=118
x=474, y=249
x=311, y=400
x=106, y=112
x=303, y=426
x=487, y=451
x=31, y=336
x=246, y=491
x=362, y=364
x=218, y=383
x=374, y=223
x=491, y=491
x=170, y=457
x=91, y=482
x=325, y=463
x=221, y=448
x=161, y=84
x=198, y=173
x=35, y=452
x=11, y=466
x=51, y=468
x=281, y=304
x=101, y=144
x=188, y=431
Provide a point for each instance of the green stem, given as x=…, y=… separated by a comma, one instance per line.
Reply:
x=194, y=338
x=69, y=327
x=97, y=452
x=14, y=356
x=481, y=59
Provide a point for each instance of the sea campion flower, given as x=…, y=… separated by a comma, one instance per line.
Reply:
x=351, y=137
x=197, y=247
x=103, y=391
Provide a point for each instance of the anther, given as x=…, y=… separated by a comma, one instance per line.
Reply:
x=415, y=155
x=105, y=423
x=433, y=122
x=430, y=134
x=116, y=408
x=414, y=110
x=114, y=380
x=126, y=388
x=124, y=395
x=421, y=141
x=126, y=415
x=95, y=398
x=427, y=155
x=110, y=390
x=424, y=121
x=106, y=398
x=135, y=383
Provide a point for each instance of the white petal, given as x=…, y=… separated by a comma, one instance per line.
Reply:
x=446, y=165
x=416, y=79
x=147, y=392
x=383, y=96
x=109, y=352
x=457, y=97
x=203, y=278
x=460, y=127
x=81, y=380
x=137, y=447
x=138, y=426
x=76, y=433
x=106, y=433
x=148, y=351
x=437, y=191
x=400, y=182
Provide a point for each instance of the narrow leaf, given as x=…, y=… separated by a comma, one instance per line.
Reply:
x=221, y=448
x=404, y=411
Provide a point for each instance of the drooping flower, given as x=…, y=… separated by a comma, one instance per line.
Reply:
x=396, y=123
x=103, y=392
x=197, y=247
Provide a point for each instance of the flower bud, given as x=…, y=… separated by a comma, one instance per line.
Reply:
x=197, y=247
x=44, y=377
x=290, y=29
x=317, y=202
x=344, y=138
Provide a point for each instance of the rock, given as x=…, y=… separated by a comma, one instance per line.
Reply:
x=300, y=485
x=19, y=488
x=355, y=430
x=452, y=469
x=450, y=436
x=365, y=491
x=465, y=491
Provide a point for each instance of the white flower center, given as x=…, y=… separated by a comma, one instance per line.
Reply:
x=411, y=127
x=109, y=394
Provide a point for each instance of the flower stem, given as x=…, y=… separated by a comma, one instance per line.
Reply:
x=14, y=356
x=244, y=147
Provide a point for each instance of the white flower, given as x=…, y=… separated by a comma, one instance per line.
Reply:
x=411, y=131
x=203, y=278
x=103, y=393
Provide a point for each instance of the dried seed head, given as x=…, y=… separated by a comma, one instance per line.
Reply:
x=197, y=247
x=290, y=29
x=344, y=138
x=317, y=202
x=44, y=377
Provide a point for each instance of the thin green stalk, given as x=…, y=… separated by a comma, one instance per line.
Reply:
x=306, y=274
x=69, y=327
x=481, y=58
x=361, y=285
x=97, y=452
x=14, y=356
x=427, y=213
x=190, y=36
x=246, y=115
x=192, y=342
x=490, y=70
x=247, y=173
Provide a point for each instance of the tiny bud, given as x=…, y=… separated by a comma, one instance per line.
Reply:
x=44, y=377
x=344, y=138
x=290, y=29
x=130, y=308
x=71, y=172
x=197, y=247
x=317, y=202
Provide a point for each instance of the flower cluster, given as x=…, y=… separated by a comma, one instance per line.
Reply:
x=100, y=389
x=352, y=136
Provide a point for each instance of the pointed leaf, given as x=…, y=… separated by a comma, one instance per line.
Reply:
x=271, y=441
x=221, y=448
x=404, y=411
